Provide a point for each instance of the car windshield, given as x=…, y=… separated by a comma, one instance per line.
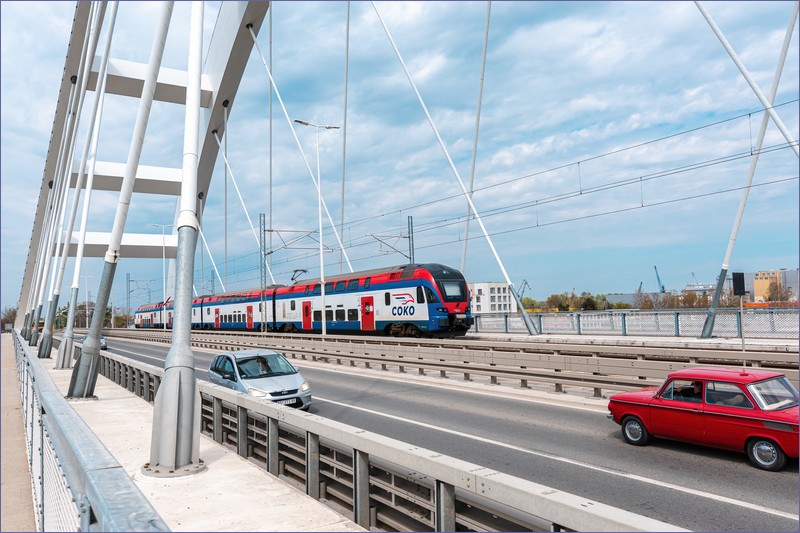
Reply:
x=263, y=366
x=774, y=394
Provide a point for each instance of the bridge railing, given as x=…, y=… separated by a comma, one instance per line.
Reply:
x=381, y=482
x=769, y=323
x=77, y=483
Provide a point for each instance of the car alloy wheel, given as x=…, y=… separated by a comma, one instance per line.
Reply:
x=765, y=454
x=634, y=431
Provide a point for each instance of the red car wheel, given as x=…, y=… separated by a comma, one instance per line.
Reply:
x=634, y=432
x=765, y=454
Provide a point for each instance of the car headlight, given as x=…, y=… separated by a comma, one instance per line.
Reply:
x=256, y=392
x=305, y=386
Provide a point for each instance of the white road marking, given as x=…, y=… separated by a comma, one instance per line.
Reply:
x=634, y=477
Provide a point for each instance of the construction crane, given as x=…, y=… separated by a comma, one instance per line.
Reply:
x=660, y=285
x=522, y=288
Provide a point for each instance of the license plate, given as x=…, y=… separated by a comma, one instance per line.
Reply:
x=284, y=402
x=461, y=316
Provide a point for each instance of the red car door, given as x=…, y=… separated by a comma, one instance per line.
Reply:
x=729, y=416
x=675, y=416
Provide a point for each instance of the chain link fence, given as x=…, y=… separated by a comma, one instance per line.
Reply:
x=777, y=323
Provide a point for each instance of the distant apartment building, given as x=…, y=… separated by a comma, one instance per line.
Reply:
x=491, y=297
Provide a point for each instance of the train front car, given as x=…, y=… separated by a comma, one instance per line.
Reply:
x=451, y=315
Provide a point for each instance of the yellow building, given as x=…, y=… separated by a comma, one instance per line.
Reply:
x=762, y=281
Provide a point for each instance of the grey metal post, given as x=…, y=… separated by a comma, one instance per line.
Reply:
x=176, y=418
x=84, y=374
x=708, y=326
x=624, y=324
x=312, y=465
x=64, y=359
x=445, y=506
x=361, y=488
x=241, y=430
x=677, y=325
x=273, y=442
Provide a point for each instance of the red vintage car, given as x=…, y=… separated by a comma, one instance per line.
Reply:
x=741, y=409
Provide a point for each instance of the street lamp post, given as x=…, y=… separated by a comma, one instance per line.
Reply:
x=319, y=210
x=86, y=305
x=163, y=269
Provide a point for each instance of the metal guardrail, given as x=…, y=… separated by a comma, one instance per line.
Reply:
x=598, y=367
x=775, y=323
x=381, y=482
x=77, y=483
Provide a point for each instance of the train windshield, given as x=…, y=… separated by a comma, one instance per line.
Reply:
x=453, y=290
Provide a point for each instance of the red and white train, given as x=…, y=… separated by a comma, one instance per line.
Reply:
x=404, y=300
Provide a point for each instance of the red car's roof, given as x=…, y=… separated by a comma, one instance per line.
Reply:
x=735, y=375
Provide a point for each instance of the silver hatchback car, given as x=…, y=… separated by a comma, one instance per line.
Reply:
x=262, y=373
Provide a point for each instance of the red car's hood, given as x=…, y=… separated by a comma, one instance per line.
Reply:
x=644, y=395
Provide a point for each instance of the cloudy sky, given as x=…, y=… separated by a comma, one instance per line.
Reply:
x=614, y=137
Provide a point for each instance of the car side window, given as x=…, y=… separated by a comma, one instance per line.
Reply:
x=227, y=368
x=683, y=390
x=722, y=393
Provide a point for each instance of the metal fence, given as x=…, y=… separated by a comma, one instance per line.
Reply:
x=776, y=323
x=382, y=483
x=77, y=483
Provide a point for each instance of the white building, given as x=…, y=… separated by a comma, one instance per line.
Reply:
x=491, y=297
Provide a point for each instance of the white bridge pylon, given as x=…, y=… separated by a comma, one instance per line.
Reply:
x=223, y=68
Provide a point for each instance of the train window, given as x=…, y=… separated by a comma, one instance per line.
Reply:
x=340, y=286
x=453, y=291
x=329, y=315
x=340, y=314
x=420, y=295
x=431, y=296
x=208, y=310
x=292, y=305
x=367, y=282
x=306, y=291
x=317, y=316
x=329, y=287
x=352, y=285
x=316, y=289
x=387, y=298
x=352, y=314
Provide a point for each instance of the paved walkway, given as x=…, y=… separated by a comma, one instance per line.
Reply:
x=231, y=494
x=16, y=492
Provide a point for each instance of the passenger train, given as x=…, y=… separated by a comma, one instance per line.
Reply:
x=406, y=300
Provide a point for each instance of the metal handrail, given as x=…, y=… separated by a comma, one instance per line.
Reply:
x=103, y=494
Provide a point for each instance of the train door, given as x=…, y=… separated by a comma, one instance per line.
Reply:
x=249, y=317
x=368, y=313
x=307, y=316
x=216, y=318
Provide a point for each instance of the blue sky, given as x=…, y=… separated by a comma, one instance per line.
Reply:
x=614, y=136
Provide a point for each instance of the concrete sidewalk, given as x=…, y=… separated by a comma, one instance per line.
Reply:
x=231, y=494
x=16, y=490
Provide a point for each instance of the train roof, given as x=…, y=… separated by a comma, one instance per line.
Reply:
x=434, y=268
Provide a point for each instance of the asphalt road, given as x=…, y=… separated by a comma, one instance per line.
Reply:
x=558, y=444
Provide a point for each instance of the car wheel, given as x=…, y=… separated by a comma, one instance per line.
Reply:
x=634, y=432
x=765, y=454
